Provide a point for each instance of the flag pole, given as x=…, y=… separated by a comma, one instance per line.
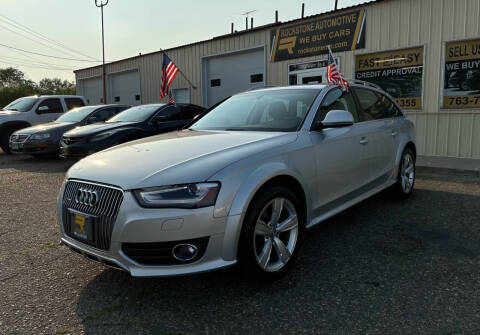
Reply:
x=183, y=74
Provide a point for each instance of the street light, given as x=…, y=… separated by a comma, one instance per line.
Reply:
x=101, y=5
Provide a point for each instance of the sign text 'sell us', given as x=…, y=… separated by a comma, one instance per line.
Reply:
x=341, y=32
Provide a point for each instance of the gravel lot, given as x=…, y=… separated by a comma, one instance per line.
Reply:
x=384, y=266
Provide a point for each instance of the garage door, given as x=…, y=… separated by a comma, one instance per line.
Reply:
x=125, y=88
x=233, y=73
x=91, y=89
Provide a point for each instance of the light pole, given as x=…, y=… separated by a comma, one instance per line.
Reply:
x=101, y=5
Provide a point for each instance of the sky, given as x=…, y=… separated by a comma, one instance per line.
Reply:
x=131, y=27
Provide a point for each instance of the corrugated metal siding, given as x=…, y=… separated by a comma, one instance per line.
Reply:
x=390, y=25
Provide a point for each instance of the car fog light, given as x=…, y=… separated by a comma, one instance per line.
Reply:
x=184, y=252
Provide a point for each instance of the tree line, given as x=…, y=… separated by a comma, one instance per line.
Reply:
x=14, y=85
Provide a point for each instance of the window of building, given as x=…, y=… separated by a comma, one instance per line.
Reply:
x=461, y=88
x=256, y=78
x=215, y=82
x=397, y=72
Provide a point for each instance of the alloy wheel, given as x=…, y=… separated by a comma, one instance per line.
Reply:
x=407, y=173
x=275, y=234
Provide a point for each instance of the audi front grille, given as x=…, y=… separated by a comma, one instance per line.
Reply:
x=103, y=211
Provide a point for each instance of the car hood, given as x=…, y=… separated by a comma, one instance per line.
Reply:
x=50, y=127
x=174, y=158
x=6, y=114
x=97, y=128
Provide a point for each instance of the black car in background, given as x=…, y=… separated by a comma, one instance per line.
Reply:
x=44, y=139
x=131, y=124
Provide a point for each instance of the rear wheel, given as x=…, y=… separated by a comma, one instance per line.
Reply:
x=272, y=234
x=406, y=174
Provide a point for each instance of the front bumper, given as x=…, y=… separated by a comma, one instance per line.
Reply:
x=76, y=150
x=135, y=224
x=32, y=147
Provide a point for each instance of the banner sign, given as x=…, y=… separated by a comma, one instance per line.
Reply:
x=462, y=74
x=341, y=32
x=399, y=72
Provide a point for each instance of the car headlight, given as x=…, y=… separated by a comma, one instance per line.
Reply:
x=101, y=136
x=179, y=196
x=40, y=136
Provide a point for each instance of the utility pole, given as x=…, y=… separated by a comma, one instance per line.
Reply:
x=101, y=5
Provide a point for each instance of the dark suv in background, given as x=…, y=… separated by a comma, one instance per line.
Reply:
x=134, y=123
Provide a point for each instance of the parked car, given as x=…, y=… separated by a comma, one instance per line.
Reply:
x=45, y=138
x=241, y=184
x=28, y=111
x=131, y=124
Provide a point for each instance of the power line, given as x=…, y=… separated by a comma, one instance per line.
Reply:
x=44, y=55
x=36, y=66
x=33, y=40
x=42, y=36
x=37, y=62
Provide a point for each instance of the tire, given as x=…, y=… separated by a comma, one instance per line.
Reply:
x=406, y=174
x=265, y=243
x=4, y=139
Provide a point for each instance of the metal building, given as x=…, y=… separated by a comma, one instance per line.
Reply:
x=425, y=53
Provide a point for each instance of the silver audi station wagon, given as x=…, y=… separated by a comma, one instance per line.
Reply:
x=241, y=184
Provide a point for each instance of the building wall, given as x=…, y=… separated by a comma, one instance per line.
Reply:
x=390, y=25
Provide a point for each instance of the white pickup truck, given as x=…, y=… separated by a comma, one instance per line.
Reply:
x=28, y=111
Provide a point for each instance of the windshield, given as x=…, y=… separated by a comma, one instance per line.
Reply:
x=269, y=110
x=135, y=114
x=76, y=114
x=21, y=104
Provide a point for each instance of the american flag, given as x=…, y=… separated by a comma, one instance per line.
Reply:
x=169, y=71
x=334, y=76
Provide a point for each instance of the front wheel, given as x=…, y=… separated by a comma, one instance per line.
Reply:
x=406, y=174
x=272, y=234
x=4, y=140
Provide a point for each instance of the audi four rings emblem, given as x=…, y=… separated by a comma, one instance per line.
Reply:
x=87, y=197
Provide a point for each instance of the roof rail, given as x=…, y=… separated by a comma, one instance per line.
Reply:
x=258, y=88
x=364, y=83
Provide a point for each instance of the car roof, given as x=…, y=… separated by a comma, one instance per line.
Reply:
x=54, y=96
x=107, y=105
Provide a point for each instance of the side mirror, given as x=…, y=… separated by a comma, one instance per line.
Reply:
x=335, y=119
x=92, y=119
x=42, y=109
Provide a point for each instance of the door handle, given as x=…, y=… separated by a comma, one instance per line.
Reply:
x=394, y=133
x=363, y=140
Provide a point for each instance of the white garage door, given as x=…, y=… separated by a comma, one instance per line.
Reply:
x=91, y=89
x=125, y=88
x=181, y=95
x=233, y=73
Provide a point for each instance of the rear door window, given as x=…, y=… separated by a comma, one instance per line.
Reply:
x=74, y=103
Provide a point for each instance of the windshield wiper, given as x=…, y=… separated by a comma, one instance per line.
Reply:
x=236, y=129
